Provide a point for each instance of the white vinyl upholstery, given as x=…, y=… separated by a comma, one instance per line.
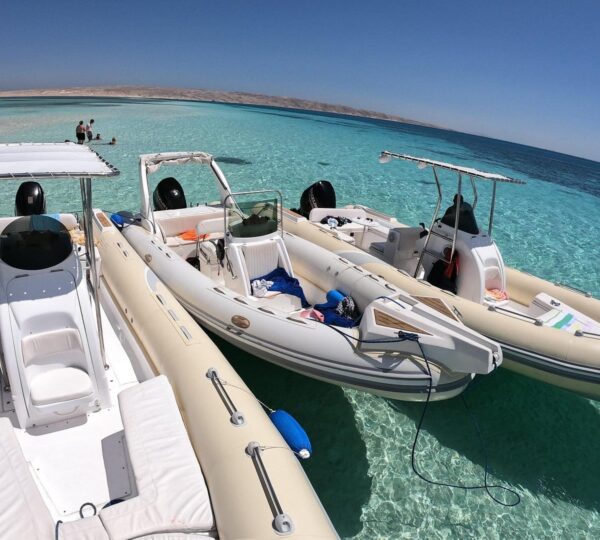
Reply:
x=261, y=258
x=208, y=226
x=60, y=384
x=172, y=495
x=317, y=214
x=47, y=347
x=23, y=513
x=174, y=222
x=180, y=536
x=54, y=366
x=89, y=528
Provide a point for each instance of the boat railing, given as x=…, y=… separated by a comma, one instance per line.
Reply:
x=514, y=313
x=585, y=333
x=587, y=294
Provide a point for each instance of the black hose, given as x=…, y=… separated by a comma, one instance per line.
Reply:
x=485, y=484
x=408, y=336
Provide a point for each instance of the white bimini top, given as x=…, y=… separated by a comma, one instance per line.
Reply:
x=52, y=160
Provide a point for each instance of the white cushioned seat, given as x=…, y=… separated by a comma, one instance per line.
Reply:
x=89, y=528
x=174, y=222
x=59, y=384
x=180, y=536
x=211, y=226
x=172, y=494
x=53, y=365
x=261, y=258
x=23, y=513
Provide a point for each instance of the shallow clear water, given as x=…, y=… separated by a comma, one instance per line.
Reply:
x=540, y=440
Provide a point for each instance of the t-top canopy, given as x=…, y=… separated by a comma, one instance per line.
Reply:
x=153, y=162
x=52, y=160
x=386, y=156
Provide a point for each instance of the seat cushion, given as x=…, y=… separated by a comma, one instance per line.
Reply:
x=172, y=495
x=261, y=258
x=23, y=513
x=89, y=528
x=60, y=384
x=63, y=345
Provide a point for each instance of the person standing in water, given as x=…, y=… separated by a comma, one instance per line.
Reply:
x=80, y=132
x=88, y=130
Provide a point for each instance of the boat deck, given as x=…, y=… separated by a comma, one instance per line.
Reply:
x=82, y=459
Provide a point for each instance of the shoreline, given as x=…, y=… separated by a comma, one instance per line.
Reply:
x=209, y=96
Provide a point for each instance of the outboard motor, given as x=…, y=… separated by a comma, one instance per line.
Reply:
x=320, y=195
x=30, y=200
x=169, y=195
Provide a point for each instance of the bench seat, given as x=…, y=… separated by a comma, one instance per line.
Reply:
x=172, y=494
x=23, y=513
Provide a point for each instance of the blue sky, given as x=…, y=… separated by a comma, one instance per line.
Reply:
x=525, y=71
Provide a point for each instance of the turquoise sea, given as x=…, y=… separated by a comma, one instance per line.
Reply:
x=541, y=441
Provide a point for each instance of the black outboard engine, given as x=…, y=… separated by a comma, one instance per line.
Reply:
x=30, y=200
x=466, y=217
x=168, y=195
x=320, y=195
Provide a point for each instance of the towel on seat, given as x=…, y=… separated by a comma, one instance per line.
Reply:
x=282, y=282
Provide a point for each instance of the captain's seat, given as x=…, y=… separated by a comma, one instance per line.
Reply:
x=466, y=218
x=51, y=352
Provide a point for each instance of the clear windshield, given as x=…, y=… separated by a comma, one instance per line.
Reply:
x=248, y=219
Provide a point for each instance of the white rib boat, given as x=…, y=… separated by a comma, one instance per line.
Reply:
x=120, y=419
x=548, y=331
x=401, y=347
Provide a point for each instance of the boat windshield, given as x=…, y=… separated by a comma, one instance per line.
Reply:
x=35, y=242
x=248, y=219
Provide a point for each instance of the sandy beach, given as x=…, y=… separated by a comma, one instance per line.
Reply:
x=189, y=94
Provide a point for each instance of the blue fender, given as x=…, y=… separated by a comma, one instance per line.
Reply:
x=292, y=432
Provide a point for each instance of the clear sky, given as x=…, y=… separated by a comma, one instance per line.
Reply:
x=521, y=70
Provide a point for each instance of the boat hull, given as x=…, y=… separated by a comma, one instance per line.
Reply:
x=179, y=349
x=546, y=354
x=306, y=347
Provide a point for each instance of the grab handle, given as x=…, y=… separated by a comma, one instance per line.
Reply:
x=236, y=417
x=282, y=523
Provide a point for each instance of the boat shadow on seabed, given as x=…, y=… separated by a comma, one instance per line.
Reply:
x=338, y=467
x=536, y=436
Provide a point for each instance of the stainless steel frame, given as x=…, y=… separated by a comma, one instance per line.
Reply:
x=85, y=185
x=386, y=156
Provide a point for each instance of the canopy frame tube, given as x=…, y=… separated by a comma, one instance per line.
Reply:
x=386, y=156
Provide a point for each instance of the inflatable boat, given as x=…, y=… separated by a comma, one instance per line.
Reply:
x=548, y=331
x=293, y=303
x=120, y=419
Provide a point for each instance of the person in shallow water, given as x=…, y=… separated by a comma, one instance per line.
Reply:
x=88, y=130
x=80, y=132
